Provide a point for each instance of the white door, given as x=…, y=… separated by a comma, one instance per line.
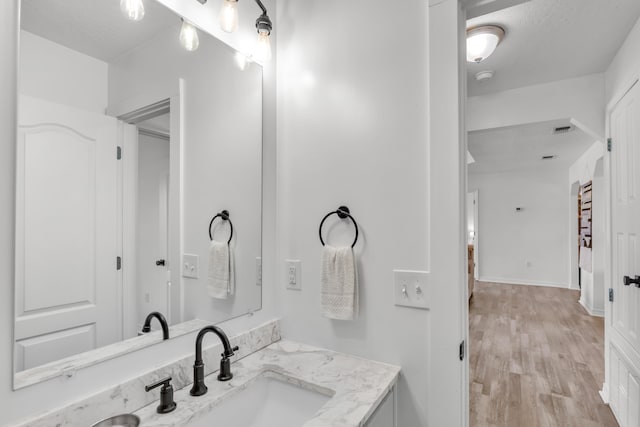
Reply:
x=66, y=276
x=153, y=210
x=624, y=392
x=625, y=158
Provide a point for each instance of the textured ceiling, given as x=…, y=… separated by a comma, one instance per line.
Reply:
x=522, y=147
x=550, y=40
x=94, y=27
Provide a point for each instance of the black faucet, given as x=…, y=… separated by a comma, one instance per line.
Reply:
x=166, y=395
x=225, y=374
x=163, y=322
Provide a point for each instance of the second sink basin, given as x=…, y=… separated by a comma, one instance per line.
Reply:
x=267, y=401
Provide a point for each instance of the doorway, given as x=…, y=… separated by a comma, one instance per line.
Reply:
x=148, y=189
x=152, y=216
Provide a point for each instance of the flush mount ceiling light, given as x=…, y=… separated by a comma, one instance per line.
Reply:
x=482, y=41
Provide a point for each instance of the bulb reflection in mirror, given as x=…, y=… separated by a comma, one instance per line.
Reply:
x=242, y=61
x=263, y=47
x=132, y=9
x=229, y=16
x=189, y=36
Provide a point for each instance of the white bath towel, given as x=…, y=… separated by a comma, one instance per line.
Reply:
x=339, y=291
x=221, y=276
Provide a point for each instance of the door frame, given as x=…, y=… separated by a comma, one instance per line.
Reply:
x=135, y=110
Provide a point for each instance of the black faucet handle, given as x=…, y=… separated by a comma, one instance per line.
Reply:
x=166, y=395
x=166, y=382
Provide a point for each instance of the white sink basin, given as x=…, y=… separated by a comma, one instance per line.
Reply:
x=266, y=402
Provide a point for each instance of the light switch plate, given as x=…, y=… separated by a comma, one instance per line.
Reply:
x=293, y=274
x=190, y=266
x=411, y=289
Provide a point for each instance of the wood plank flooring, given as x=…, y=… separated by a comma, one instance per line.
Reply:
x=536, y=359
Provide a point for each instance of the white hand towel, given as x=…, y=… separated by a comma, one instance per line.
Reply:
x=339, y=292
x=221, y=275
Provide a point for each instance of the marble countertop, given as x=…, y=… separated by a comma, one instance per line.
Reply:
x=356, y=386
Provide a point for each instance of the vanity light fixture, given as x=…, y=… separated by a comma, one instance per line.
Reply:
x=482, y=42
x=132, y=9
x=229, y=23
x=189, y=36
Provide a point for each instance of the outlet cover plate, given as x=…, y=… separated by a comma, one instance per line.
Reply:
x=190, y=266
x=411, y=289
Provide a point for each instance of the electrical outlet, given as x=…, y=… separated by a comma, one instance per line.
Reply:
x=411, y=289
x=293, y=274
x=190, y=266
x=258, y=271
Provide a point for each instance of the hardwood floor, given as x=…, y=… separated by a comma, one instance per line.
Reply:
x=536, y=359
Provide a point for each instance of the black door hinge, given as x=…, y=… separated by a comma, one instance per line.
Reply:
x=118, y=263
x=610, y=294
x=461, y=350
x=609, y=144
x=119, y=153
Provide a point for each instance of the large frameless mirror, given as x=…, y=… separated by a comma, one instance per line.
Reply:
x=133, y=135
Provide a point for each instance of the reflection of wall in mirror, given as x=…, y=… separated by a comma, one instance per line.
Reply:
x=222, y=150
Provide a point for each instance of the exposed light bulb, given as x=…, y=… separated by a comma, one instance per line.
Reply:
x=263, y=47
x=189, y=36
x=132, y=9
x=229, y=16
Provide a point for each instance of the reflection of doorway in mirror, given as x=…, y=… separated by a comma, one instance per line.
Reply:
x=152, y=217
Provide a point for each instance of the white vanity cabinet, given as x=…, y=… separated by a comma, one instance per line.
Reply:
x=385, y=414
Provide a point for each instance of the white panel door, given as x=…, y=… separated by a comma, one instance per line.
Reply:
x=625, y=161
x=66, y=278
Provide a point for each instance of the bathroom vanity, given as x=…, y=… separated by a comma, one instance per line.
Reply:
x=275, y=382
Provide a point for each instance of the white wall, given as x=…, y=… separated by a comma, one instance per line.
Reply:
x=580, y=99
x=527, y=247
x=583, y=169
x=55, y=393
x=222, y=154
x=58, y=74
x=353, y=129
x=625, y=67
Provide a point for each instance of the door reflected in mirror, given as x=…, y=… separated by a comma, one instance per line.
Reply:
x=128, y=145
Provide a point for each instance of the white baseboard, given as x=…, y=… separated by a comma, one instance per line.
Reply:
x=590, y=310
x=604, y=393
x=506, y=281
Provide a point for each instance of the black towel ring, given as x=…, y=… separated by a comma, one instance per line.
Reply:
x=343, y=212
x=225, y=217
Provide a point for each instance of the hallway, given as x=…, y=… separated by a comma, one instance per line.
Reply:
x=536, y=359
